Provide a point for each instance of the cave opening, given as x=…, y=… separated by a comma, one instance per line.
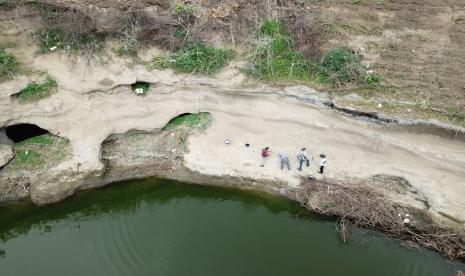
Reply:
x=20, y=132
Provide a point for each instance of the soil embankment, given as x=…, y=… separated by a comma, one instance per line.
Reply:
x=357, y=149
x=111, y=133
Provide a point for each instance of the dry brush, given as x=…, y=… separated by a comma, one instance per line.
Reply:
x=361, y=206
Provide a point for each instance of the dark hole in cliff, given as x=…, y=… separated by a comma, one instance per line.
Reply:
x=21, y=132
x=140, y=87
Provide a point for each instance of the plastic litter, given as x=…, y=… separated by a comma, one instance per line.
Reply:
x=139, y=91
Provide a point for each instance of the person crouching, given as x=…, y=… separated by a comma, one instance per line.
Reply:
x=265, y=153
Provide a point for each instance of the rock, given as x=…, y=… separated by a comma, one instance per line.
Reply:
x=6, y=150
x=106, y=82
x=352, y=97
x=6, y=154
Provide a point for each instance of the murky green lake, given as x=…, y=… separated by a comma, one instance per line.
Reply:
x=157, y=227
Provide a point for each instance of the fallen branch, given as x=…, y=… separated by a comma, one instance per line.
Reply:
x=361, y=206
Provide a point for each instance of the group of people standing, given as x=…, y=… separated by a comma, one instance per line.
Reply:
x=302, y=157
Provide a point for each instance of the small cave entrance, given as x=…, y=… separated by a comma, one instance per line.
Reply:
x=20, y=132
x=140, y=88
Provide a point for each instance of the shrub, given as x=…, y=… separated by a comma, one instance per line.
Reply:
x=36, y=91
x=8, y=64
x=179, y=31
x=342, y=65
x=371, y=78
x=129, y=35
x=128, y=46
x=159, y=62
x=7, y=5
x=200, y=58
x=273, y=56
x=182, y=8
x=59, y=38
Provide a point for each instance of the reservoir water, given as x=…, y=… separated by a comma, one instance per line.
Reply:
x=159, y=227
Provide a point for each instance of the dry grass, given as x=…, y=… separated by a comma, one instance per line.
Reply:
x=360, y=206
x=416, y=47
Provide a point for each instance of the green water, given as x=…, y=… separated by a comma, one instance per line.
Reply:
x=155, y=227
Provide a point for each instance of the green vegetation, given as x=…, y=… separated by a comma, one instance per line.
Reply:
x=36, y=91
x=200, y=58
x=6, y=5
x=38, y=140
x=8, y=64
x=27, y=158
x=194, y=58
x=196, y=120
x=38, y=152
x=342, y=65
x=179, y=31
x=140, y=88
x=456, y=113
x=127, y=48
x=183, y=8
x=159, y=62
x=273, y=57
x=58, y=38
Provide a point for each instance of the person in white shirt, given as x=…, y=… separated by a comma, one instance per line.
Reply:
x=323, y=162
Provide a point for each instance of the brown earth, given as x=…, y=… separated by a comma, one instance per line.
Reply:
x=417, y=47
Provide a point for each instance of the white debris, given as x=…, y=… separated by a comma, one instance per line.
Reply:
x=139, y=91
x=380, y=105
x=406, y=221
x=53, y=48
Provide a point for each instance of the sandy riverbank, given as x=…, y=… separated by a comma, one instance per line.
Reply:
x=94, y=101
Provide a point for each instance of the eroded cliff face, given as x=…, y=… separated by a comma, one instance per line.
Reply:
x=87, y=113
x=115, y=134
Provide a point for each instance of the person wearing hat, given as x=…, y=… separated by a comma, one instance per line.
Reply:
x=303, y=157
x=323, y=162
